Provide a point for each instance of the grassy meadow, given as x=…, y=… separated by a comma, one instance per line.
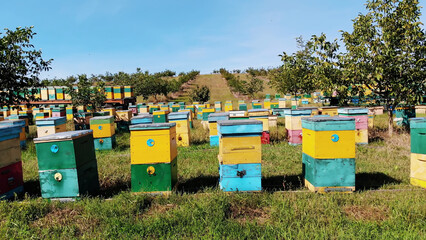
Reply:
x=384, y=206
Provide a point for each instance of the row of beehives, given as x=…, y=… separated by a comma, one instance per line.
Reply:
x=61, y=93
x=68, y=168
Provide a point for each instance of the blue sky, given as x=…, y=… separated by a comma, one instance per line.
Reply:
x=96, y=36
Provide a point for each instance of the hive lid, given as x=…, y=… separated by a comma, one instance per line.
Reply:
x=217, y=102
x=299, y=112
x=126, y=111
x=328, y=123
x=258, y=110
x=329, y=107
x=309, y=108
x=9, y=131
x=102, y=119
x=178, y=115
x=238, y=122
x=353, y=111
x=153, y=126
x=238, y=127
x=62, y=136
x=51, y=121
x=418, y=122
x=214, y=117
x=142, y=115
x=13, y=122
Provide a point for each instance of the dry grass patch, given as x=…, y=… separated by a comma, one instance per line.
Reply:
x=158, y=209
x=366, y=213
x=243, y=214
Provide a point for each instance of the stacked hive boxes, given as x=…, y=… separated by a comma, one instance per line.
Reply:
x=295, y=102
x=175, y=107
x=314, y=110
x=153, y=108
x=240, y=155
x=109, y=93
x=111, y=111
x=144, y=118
x=70, y=111
x=267, y=103
x=361, y=122
x=41, y=115
x=330, y=111
x=44, y=94
x=11, y=179
x=103, y=132
x=206, y=113
x=118, y=92
x=213, y=119
x=228, y=106
x=160, y=116
x=143, y=108
x=418, y=152
x=58, y=112
x=218, y=106
x=52, y=93
x=402, y=114
x=242, y=106
x=48, y=126
x=293, y=124
x=261, y=115
x=328, y=162
x=36, y=110
x=255, y=104
x=153, y=155
x=67, y=164
x=124, y=117
x=59, y=93
x=182, y=127
x=18, y=123
x=128, y=91
x=282, y=103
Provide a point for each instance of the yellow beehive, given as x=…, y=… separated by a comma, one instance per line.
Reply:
x=370, y=121
x=231, y=151
x=331, y=111
x=111, y=111
x=44, y=94
x=418, y=170
x=124, y=115
x=60, y=94
x=165, y=107
x=152, y=144
x=361, y=136
x=267, y=104
x=118, y=92
x=128, y=91
x=102, y=126
x=207, y=105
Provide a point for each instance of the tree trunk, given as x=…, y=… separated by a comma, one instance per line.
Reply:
x=390, y=122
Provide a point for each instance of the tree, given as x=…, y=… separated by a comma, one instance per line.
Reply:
x=86, y=94
x=253, y=86
x=20, y=66
x=200, y=94
x=296, y=74
x=386, y=50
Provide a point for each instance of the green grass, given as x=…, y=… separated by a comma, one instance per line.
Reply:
x=384, y=206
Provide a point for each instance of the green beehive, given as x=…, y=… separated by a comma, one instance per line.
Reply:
x=242, y=106
x=268, y=96
x=162, y=180
x=67, y=164
x=277, y=96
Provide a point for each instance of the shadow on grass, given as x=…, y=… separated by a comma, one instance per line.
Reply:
x=197, y=184
x=372, y=181
x=32, y=188
x=112, y=189
x=282, y=183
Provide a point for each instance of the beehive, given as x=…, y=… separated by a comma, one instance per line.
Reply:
x=238, y=115
x=182, y=127
x=267, y=103
x=218, y=106
x=48, y=126
x=329, y=154
x=58, y=112
x=213, y=119
x=52, y=93
x=70, y=111
x=418, y=152
x=295, y=102
x=128, y=91
x=124, y=115
x=190, y=116
x=44, y=94
x=242, y=106
x=314, y=110
x=153, y=152
x=144, y=118
x=331, y=111
x=160, y=116
x=255, y=104
x=103, y=132
x=67, y=164
x=118, y=92
x=59, y=93
x=41, y=115
x=36, y=110
x=261, y=115
x=228, y=106
x=240, y=155
x=153, y=108
x=402, y=114
x=279, y=112
x=82, y=120
x=6, y=113
x=143, y=108
x=361, y=122
x=206, y=113
x=272, y=119
x=420, y=110
x=21, y=124
x=165, y=108
x=275, y=105
x=11, y=178
x=112, y=111
x=175, y=107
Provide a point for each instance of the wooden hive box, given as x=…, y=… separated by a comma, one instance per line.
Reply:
x=418, y=152
x=52, y=93
x=48, y=126
x=293, y=118
x=218, y=106
x=58, y=112
x=165, y=108
x=160, y=116
x=153, y=108
x=128, y=91
x=240, y=141
x=103, y=126
x=213, y=119
x=240, y=177
x=70, y=111
x=175, y=107
x=9, y=145
x=21, y=124
x=59, y=93
x=328, y=162
x=190, y=116
x=118, y=92
x=182, y=127
x=124, y=115
x=242, y=106
x=153, y=143
x=109, y=92
x=44, y=94
x=154, y=177
x=67, y=164
x=361, y=122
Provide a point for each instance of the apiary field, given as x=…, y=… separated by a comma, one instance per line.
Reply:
x=384, y=205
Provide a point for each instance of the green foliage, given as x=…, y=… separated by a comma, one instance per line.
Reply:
x=251, y=87
x=257, y=72
x=86, y=94
x=200, y=94
x=296, y=75
x=20, y=65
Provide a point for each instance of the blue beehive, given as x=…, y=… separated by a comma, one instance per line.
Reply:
x=20, y=123
x=143, y=118
x=240, y=177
